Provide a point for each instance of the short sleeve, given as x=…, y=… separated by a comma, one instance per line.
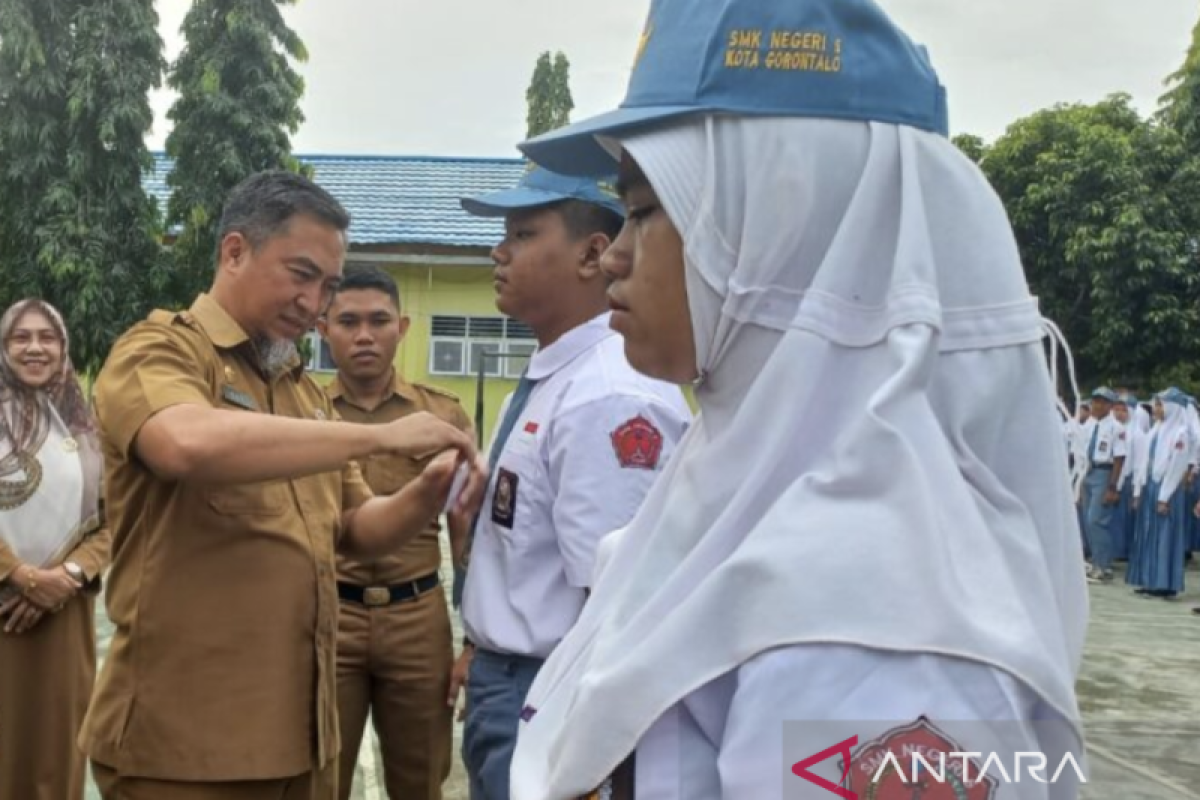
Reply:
x=150, y=369
x=603, y=458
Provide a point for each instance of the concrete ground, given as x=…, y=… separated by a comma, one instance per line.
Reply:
x=1139, y=692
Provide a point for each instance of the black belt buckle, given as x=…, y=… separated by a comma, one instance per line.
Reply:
x=381, y=596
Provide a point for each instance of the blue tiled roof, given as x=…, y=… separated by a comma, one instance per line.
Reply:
x=400, y=199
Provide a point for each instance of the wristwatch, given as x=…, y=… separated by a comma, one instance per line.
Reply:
x=75, y=571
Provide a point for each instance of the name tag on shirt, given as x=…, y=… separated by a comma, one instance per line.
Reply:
x=240, y=399
x=504, y=501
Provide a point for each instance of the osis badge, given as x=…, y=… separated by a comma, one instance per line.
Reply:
x=638, y=444
x=918, y=737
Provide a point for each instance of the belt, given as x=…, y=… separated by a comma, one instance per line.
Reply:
x=378, y=596
x=1102, y=466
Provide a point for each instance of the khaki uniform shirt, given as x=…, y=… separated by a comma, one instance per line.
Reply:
x=222, y=666
x=388, y=474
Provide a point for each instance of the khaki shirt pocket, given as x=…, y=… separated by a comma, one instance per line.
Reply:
x=253, y=499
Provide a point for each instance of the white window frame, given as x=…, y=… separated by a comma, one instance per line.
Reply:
x=500, y=368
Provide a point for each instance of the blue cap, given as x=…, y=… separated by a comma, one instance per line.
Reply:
x=1105, y=393
x=541, y=187
x=832, y=59
x=1174, y=395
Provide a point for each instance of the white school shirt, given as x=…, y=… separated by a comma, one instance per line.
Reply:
x=581, y=457
x=1109, y=442
x=726, y=741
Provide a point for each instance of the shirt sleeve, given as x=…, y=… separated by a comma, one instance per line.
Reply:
x=8, y=561
x=93, y=554
x=150, y=369
x=1120, y=442
x=603, y=457
x=796, y=704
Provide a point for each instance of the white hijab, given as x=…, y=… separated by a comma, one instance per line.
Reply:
x=1175, y=428
x=867, y=468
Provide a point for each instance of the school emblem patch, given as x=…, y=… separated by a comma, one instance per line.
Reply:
x=638, y=444
x=885, y=769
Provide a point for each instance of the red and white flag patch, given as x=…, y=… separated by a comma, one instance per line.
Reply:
x=638, y=444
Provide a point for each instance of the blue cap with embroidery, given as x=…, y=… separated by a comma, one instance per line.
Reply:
x=541, y=187
x=1105, y=393
x=832, y=59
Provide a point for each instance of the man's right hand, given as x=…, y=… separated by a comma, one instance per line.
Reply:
x=422, y=434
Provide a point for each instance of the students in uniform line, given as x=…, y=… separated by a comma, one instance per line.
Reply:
x=53, y=549
x=1159, y=561
x=1106, y=451
x=1142, y=509
x=577, y=446
x=1123, y=513
x=1192, y=481
x=394, y=653
x=869, y=527
x=228, y=484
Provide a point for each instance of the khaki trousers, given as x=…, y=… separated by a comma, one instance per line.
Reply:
x=316, y=785
x=395, y=662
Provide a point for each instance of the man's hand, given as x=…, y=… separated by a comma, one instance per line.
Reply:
x=458, y=679
x=22, y=615
x=49, y=588
x=422, y=434
x=1111, y=497
x=1163, y=509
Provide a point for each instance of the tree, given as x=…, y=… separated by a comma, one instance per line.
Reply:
x=1180, y=106
x=84, y=234
x=973, y=147
x=239, y=104
x=549, y=95
x=1179, y=111
x=35, y=48
x=1089, y=192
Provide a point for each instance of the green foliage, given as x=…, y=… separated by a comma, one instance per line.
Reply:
x=76, y=226
x=1092, y=192
x=549, y=95
x=973, y=147
x=1180, y=106
x=239, y=103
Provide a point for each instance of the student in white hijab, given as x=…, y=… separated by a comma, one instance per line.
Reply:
x=869, y=527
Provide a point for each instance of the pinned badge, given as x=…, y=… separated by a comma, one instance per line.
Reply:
x=70, y=444
x=319, y=414
x=230, y=374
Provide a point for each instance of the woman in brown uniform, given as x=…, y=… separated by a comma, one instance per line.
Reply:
x=53, y=548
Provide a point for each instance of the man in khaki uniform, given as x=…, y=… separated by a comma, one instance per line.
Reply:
x=229, y=482
x=394, y=644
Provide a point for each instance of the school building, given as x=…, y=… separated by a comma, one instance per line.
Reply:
x=406, y=219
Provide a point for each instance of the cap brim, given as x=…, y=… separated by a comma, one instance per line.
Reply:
x=498, y=204
x=573, y=150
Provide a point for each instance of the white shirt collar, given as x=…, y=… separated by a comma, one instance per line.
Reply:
x=572, y=344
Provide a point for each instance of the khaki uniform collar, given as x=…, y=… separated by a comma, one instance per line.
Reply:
x=223, y=330
x=400, y=388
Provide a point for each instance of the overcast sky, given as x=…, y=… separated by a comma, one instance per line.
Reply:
x=448, y=77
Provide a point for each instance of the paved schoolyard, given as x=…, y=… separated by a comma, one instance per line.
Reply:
x=1139, y=692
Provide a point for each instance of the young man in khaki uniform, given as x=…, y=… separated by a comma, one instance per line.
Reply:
x=394, y=643
x=229, y=484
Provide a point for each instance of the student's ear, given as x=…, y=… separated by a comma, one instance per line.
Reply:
x=590, y=253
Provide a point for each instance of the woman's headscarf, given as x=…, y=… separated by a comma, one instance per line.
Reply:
x=29, y=417
x=878, y=460
x=1174, y=433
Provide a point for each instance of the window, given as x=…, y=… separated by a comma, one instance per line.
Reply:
x=458, y=344
x=319, y=358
